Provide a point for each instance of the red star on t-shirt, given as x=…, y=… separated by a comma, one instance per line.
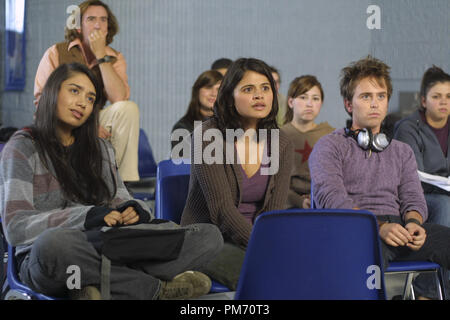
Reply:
x=305, y=152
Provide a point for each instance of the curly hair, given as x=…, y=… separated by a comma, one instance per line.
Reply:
x=225, y=112
x=368, y=67
x=113, y=25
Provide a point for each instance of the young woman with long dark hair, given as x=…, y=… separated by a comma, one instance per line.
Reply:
x=59, y=181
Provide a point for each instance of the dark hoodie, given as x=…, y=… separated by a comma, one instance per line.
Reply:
x=427, y=150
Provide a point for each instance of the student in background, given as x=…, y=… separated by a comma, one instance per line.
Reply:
x=59, y=181
x=427, y=133
x=232, y=195
x=221, y=65
x=282, y=103
x=305, y=98
x=204, y=94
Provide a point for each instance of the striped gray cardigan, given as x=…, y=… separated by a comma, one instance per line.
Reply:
x=31, y=199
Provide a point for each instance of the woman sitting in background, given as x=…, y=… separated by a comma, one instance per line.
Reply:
x=204, y=94
x=58, y=181
x=427, y=132
x=305, y=98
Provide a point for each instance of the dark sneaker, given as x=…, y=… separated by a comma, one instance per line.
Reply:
x=175, y=290
x=86, y=293
x=200, y=282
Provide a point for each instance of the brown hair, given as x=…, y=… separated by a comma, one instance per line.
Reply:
x=113, y=25
x=208, y=78
x=299, y=86
x=431, y=77
x=368, y=67
x=225, y=112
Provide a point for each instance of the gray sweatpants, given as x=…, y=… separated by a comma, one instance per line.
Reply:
x=46, y=268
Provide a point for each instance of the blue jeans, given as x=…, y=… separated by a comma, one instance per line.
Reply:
x=438, y=208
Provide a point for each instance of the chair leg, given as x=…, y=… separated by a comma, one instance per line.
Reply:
x=438, y=274
x=413, y=294
x=408, y=290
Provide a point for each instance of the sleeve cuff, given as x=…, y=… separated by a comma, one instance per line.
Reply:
x=95, y=217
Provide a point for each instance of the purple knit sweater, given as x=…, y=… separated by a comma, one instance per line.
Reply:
x=345, y=176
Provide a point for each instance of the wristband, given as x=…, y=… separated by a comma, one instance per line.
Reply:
x=413, y=221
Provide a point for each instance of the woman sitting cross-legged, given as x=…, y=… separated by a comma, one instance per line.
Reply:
x=59, y=181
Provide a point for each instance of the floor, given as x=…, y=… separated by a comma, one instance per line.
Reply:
x=393, y=283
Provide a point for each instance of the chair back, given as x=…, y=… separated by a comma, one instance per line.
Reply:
x=313, y=254
x=17, y=290
x=146, y=164
x=172, y=186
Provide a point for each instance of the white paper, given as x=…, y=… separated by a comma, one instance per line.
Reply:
x=438, y=181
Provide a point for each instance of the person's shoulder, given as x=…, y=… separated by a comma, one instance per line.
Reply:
x=409, y=122
x=210, y=123
x=336, y=136
x=22, y=142
x=400, y=148
x=325, y=127
x=183, y=123
x=284, y=137
x=289, y=130
x=105, y=145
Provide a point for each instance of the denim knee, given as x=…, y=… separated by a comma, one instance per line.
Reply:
x=438, y=208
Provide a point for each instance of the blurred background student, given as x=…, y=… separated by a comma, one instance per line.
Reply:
x=204, y=94
x=305, y=98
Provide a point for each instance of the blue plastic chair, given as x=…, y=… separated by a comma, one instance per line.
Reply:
x=146, y=166
x=172, y=187
x=3, y=257
x=410, y=268
x=17, y=290
x=301, y=254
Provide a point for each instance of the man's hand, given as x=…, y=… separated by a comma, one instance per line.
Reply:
x=306, y=203
x=418, y=235
x=97, y=43
x=103, y=133
x=395, y=235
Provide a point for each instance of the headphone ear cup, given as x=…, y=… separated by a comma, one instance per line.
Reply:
x=364, y=139
x=380, y=142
